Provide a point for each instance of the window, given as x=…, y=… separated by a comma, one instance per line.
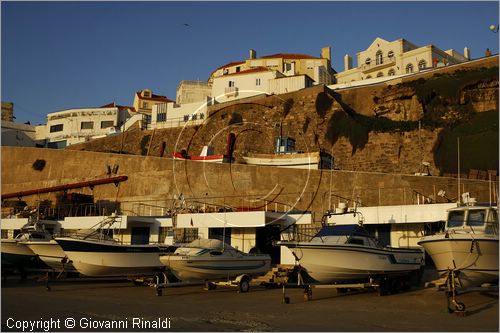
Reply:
x=145, y=105
x=257, y=82
x=368, y=61
x=231, y=83
x=107, y=124
x=186, y=117
x=390, y=54
x=56, y=128
x=194, y=117
x=238, y=69
x=422, y=64
x=87, y=125
x=476, y=218
x=379, y=59
x=380, y=74
x=409, y=68
x=455, y=219
x=146, y=93
x=161, y=117
x=391, y=72
x=368, y=77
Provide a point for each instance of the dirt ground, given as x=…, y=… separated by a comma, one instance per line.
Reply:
x=90, y=306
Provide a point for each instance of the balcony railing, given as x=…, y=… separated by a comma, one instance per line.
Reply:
x=231, y=91
x=373, y=65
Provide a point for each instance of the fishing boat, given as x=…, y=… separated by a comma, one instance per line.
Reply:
x=207, y=155
x=348, y=253
x=211, y=259
x=287, y=157
x=96, y=254
x=467, y=246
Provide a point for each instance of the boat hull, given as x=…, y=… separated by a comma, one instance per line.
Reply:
x=297, y=160
x=51, y=254
x=92, y=258
x=347, y=263
x=474, y=256
x=19, y=255
x=190, y=268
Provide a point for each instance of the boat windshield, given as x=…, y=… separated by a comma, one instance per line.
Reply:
x=476, y=218
x=456, y=219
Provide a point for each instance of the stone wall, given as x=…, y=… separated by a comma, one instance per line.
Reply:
x=154, y=183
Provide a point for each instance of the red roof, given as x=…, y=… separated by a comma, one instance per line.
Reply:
x=252, y=70
x=230, y=64
x=289, y=56
x=154, y=97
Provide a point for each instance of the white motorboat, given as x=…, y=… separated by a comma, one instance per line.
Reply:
x=51, y=253
x=211, y=259
x=468, y=245
x=348, y=253
x=110, y=258
x=16, y=253
x=97, y=254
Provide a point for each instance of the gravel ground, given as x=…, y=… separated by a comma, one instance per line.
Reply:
x=92, y=306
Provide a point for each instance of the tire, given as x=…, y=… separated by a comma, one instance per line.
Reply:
x=244, y=285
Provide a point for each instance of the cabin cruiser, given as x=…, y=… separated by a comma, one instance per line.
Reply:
x=96, y=254
x=211, y=259
x=468, y=245
x=348, y=253
x=16, y=253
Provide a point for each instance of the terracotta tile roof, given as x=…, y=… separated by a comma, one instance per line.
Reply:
x=158, y=98
x=250, y=71
x=230, y=64
x=289, y=56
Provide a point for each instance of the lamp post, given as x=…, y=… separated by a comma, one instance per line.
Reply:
x=494, y=28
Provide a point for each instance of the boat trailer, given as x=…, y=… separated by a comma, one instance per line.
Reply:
x=384, y=284
x=161, y=281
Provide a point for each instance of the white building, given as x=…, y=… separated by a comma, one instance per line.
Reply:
x=16, y=134
x=383, y=58
x=72, y=126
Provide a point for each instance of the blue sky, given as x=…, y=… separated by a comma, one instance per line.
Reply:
x=60, y=55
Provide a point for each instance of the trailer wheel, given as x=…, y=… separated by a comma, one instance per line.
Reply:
x=244, y=285
x=459, y=306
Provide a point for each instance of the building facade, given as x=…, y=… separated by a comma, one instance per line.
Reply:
x=72, y=126
x=192, y=92
x=383, y=58
x=288, y=64
x=145, y=99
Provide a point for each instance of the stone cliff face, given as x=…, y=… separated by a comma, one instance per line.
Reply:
x=391, y=127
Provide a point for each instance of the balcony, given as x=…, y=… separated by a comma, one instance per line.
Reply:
x=231, y=91
x=373, y=66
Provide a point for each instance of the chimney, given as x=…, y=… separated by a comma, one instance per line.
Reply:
x=347, y=62
x=467, y=53
x=253, y=54
x=326, y=53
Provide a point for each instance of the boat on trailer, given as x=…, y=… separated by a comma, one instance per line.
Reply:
x=340, y=254
x=16, y=253
x=96, y=254
x=211, y=259
x=468, y=246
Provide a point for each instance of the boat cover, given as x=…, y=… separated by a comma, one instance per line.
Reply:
x=208, y=244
